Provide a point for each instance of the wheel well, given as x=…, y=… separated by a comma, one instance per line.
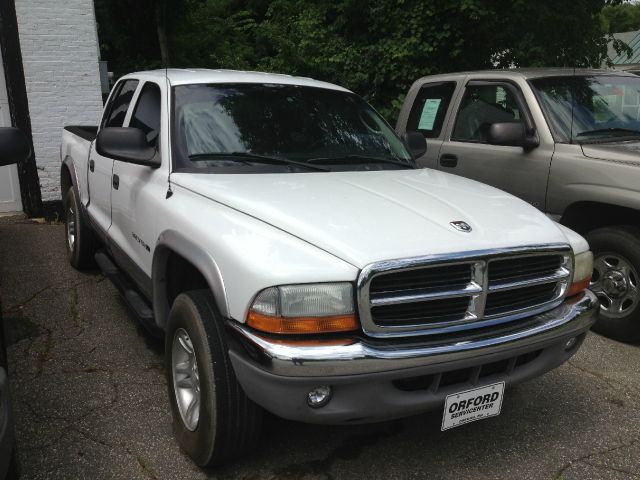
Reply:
x=586, y=216
x=65, y=180
x=181, y=276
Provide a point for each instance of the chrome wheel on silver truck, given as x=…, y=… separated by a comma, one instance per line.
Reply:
x=616, y=281
x=213, y=419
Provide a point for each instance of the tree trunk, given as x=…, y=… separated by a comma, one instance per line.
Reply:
x=161, y=16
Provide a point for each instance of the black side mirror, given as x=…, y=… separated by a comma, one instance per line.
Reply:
x=126, y=144
x=14, y=146
x=511, y=134
x=415, y=143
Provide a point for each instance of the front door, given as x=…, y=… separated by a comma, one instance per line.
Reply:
x=101, y=168
x=136, y=194
x=466, y=151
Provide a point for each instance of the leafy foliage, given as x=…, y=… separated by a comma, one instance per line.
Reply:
x=624, y=17
x=376, y=48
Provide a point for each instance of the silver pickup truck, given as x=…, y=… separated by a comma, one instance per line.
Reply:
x=567, y=141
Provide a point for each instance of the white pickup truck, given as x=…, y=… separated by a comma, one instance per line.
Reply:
x=277, y=232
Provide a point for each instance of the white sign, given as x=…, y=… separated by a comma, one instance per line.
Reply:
x=472, y=405
x=429, y=112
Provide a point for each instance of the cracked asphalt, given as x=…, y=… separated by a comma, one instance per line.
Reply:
x=90, y=400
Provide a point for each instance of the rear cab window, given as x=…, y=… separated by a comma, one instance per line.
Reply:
x=116, y=110
x=430, y=108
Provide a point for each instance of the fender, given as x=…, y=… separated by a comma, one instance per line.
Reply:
x=169, y=242
x=69, y=165
x=612, y=195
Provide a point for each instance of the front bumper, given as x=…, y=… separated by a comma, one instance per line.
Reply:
x=375, y=380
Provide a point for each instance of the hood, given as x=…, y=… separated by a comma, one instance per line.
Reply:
x=627, y=152
x=364, y=217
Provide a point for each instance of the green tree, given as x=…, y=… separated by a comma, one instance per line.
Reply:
x=624, y=17
x=375, y=47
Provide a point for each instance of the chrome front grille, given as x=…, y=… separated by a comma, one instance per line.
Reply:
x=447, y=293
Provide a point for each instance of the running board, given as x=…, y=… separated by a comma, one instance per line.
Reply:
x=131, y=297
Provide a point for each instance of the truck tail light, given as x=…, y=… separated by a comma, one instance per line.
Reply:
x=304, y=309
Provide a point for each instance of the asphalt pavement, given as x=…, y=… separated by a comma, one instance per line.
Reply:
x=90, y=400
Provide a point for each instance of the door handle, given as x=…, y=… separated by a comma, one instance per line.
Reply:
x=448, y=160
x=115, y=181
x=92, y=165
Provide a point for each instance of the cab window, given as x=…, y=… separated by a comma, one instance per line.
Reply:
x=116, y=110
x=430, y=108
x=146, y=115
x=481, y=106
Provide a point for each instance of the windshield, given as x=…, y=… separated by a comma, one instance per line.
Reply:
x=591, y=108
x=267, y=127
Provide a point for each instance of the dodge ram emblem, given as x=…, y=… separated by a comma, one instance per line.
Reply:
x=462, y=226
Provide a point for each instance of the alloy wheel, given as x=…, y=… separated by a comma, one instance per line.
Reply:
x=186, y=379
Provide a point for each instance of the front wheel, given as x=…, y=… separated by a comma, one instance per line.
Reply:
x=616, y=281
x=214, y=421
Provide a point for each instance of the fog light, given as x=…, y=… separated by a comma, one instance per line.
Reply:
x=570, y=343
x=319, y=396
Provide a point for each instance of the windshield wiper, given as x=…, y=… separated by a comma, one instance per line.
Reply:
x=628, y=131
x=254, y=157
x=356, y=158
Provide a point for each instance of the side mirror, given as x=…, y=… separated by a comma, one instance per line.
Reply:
x=511, y=134
x=14, y=146
x=126, y=144
x=415, y=143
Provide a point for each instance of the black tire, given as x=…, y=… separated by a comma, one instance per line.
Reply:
x=229, y=423
x=79, y=250
x=622, y=242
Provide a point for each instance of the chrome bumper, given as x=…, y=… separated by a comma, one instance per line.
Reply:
x=360, y=355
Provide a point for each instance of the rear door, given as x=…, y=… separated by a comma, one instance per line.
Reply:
x=101, y=168
x=429, y=114
x=138, y=192
x=466, y=151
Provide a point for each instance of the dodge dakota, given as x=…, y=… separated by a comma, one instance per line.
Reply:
x=277, y=232
x=567, y=141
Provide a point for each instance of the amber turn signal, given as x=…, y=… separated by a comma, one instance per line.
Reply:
x=302, y=325
x=578, y=287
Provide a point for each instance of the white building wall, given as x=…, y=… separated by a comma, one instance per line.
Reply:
x=60, y=58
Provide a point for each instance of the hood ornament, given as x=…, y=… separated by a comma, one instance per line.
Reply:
x=461, y=226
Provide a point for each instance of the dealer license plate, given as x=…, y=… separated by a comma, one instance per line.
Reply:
x=472, y=405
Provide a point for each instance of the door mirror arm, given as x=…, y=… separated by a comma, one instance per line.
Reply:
x=127, y=144
x=512, y=134
x=415, y=143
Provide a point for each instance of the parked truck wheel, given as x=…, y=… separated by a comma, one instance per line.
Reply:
x=214, y=421
x=80, y=241
x=616, y=281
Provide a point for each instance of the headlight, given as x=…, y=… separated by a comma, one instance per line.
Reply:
x=582, y=271
x=301, y=309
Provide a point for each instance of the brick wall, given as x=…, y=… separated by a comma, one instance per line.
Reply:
x=60, y=59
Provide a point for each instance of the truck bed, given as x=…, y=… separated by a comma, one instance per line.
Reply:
x=87, y=132
x=76, y=144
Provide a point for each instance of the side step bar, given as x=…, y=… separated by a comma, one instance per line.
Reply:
x=132, y=298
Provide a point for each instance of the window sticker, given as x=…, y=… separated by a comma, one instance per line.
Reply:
x=429, y=112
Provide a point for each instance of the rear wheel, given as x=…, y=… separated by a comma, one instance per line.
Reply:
x=616, y=281
x=214, y=421
x=80, y=242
